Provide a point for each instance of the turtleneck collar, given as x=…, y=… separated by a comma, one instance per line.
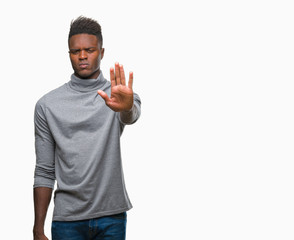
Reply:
x=86, y=85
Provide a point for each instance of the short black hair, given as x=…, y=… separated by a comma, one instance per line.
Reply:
x=86, y=25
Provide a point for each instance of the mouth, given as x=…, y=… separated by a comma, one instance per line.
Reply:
x=83, y=65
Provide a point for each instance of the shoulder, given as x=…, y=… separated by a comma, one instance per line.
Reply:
x=51, y=96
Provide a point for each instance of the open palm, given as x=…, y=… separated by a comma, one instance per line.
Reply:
x=121, y=98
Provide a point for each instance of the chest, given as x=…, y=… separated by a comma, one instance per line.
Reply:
x=84, y=112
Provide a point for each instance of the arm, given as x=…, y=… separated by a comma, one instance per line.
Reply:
x=44, y=171
x=42, y=197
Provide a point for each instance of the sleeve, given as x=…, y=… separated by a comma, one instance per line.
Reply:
x=133, y=115
x=45, y=150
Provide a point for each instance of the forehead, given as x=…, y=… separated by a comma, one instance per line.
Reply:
x=83, y=41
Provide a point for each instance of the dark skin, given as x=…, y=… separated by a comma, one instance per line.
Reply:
x=42, y=197
x=85, y=54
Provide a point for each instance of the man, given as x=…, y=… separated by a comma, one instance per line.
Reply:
x=77, y=140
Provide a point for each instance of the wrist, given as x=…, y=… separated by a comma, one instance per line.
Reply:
x=38, y=229
x=130, y=110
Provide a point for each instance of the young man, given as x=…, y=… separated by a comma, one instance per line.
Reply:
x=77, y=140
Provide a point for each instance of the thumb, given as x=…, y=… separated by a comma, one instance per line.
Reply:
x=103, y=95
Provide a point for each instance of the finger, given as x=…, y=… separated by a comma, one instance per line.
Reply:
x=112, y=78
x=122, y=75
x=117, y=74
x=103, y=95
x=131, y=77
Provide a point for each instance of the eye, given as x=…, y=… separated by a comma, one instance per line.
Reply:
x=74, y=51
x=91, y=50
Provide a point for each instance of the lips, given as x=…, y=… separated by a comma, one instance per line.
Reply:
x=83, y=65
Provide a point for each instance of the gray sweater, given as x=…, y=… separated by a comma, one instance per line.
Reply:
x=77, y=143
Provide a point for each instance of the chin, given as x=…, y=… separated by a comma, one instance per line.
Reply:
x=86, y=74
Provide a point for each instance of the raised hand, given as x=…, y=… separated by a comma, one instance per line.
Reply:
x=121, y=99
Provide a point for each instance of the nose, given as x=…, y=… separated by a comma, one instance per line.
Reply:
x=83, y=54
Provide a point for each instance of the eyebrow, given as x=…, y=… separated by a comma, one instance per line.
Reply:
x=81, y=48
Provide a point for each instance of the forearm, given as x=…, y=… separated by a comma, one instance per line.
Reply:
x=42, y=197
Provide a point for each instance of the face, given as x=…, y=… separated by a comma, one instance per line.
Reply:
x=85, y=55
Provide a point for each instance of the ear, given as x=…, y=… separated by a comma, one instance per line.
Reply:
x=102, y=53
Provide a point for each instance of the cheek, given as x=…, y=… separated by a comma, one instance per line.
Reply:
x=96, y=61
x=73, y=61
